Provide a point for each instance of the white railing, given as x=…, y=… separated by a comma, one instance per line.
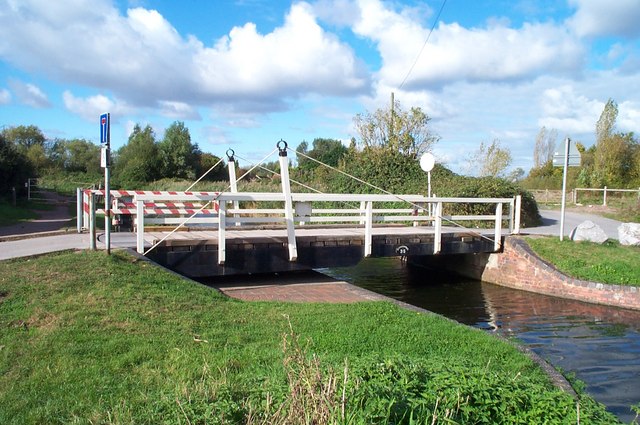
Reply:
x=605, y=190
x=303, y=212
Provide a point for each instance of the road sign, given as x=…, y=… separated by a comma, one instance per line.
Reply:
x=105, y=129
x=574, y=160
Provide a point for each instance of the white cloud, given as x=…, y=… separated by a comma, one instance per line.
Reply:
x=179, y=110
x=629, y=116
x=569, y=112
x=453, y=53
x=143, y=59
x=606, y=18
x=5, y=97
x=91, y=107
x=29, y=94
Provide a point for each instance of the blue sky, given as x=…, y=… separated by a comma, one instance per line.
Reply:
x=243, y=74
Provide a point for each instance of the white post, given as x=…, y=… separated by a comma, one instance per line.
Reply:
x=79, y=209
x=363, y=206
x=497, y=241
x=604, y=202
x=437, y=237
x=368, y=229
x=518, y=208
x=107, y=209
x=564, y=186
x=85, y=214
x=288, y=202
x=92, y=221
x=140, y=226
x=233, y=181
x=222, y=224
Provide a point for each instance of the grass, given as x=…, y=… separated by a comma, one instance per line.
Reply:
x=607, y=263
x=23, y=211
x=88, y=338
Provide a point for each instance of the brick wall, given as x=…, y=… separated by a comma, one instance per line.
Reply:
x=518, y=267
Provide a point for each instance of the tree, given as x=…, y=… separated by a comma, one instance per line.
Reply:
x=138, y=162
x=516, y=175
x=205, y=161
x=545, y=146
x=613, y=159
x=326, y=151
x=490, y=159
x=177, y=154
x=403, y=131
x=15, y=169
x=24, y=137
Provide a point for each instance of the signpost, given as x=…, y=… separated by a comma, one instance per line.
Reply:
x=567, y=160
x=427, y=162
x=105, y=162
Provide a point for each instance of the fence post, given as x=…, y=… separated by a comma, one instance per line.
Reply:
x=363, y=213
x=139, y=226
x=288, y=202
x=604, y=203
x=222, y=224
x=498, y=230
x=437, y=237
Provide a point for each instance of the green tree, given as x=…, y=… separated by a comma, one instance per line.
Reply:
x=326, y=151
x=403, y=131
x=179, y=157
x=490, y=160
x=24, y=137
x=204, y=161
x=614, y=159
x=15, y=169
x=137, y=162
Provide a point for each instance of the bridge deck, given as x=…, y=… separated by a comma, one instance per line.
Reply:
x=194, y=252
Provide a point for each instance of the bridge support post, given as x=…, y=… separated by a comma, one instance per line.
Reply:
x=222, y=224
x=368, y=229
x=437, y=236
x=516, y=216
x=288, y=201
x=139, y=226
x=233, y=181
x=497, y=241
x=92, y=221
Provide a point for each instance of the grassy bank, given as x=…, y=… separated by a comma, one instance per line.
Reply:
x=86, y=338
x=23, y=210
x=607, y=263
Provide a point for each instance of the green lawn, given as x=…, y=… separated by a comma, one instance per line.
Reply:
x=606, y=263
x=86, y=338
x=24, y=210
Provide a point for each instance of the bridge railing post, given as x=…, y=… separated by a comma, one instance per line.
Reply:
x=288, y=201
x=139, y=226
x=222, y=224
x=437, y=235
x=233, y=181
x=497, y=241
x=92, y=221
x=516, y=215
x=368, y=228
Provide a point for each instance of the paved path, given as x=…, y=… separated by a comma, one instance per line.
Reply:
x=48, y=220
x=551, y=223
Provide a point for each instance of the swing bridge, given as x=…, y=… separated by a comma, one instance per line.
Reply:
x=202, y=234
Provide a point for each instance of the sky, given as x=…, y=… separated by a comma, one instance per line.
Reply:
x=244, y=74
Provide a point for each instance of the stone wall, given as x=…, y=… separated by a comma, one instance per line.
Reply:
x=518, y=267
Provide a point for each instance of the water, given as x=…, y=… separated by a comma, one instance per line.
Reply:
x=600, y=345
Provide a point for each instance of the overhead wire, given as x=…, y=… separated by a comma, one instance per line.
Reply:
x=426, y=41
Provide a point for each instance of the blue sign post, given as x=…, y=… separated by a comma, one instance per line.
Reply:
x=105, y=141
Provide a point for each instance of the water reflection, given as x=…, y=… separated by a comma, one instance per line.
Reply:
x=601, y=345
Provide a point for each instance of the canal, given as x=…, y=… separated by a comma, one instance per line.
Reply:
x=599, y=345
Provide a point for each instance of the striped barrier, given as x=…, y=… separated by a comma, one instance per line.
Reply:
x=121, y=205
